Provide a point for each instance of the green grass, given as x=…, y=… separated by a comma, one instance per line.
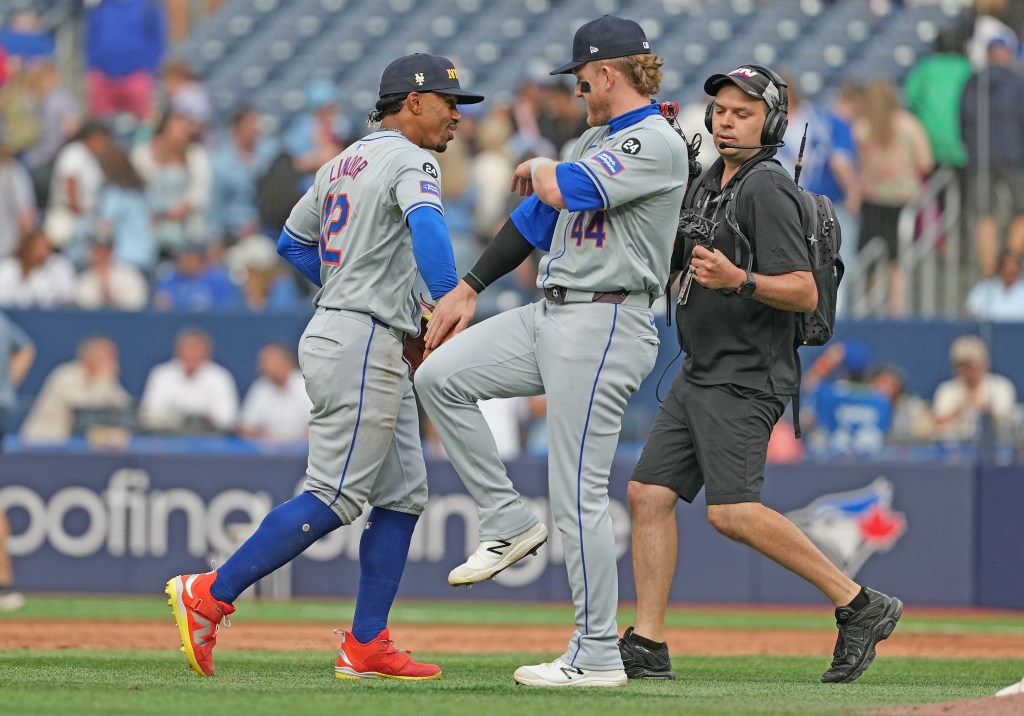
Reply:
x=299, y=683
x=295, y=684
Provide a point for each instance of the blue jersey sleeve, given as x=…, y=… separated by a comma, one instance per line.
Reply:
x=578, y=189
x=433, y=250
x=536, y=222
x=305, y=257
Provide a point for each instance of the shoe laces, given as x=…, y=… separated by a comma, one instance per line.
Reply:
x=389, y=644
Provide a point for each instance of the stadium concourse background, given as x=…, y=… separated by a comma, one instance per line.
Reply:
x=936, y=523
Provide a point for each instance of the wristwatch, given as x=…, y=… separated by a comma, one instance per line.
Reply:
x=747, y=288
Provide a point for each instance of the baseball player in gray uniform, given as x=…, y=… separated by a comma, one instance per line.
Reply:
x=607, y=218
x=371, y=219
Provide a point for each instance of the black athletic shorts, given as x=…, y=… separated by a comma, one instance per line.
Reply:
x=711, y=436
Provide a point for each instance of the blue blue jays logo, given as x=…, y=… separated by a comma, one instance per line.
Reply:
x=849, y=527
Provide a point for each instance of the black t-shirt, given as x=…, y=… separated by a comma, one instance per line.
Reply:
x=741, y=341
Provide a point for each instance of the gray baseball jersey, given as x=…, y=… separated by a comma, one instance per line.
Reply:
x=587, y=356
x=364, y=431
x=356, y=210
x=640, y=173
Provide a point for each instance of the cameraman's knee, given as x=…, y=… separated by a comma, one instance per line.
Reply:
x=728, y=519
x=649, y=500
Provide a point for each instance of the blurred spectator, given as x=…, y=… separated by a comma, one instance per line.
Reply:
x=17, y=353
x=177, y=174
x=123, y=212
x=318, y=134
x=75, y=188
x=829, y=163
x=186, y=94
x=57, y=116
x=844, y=414
x=190, y=394
x=460, y=195
x=1000, y=298
x=26, y=38
x=911, y=414
x=691, y=120
x=491, y=169
x=526, y=109
x=990, y=118
x=91, y=381
x=959, y=404
x=35, y=276
x=933, y=90
x=195, y=283
x=895, y=158
x=17, y=200
x=21, y=126
x=236, y=165
x=562, y=118
x=124, y=45
x=277, y=191
x=16, y=356
x=988, y=24
x=276, y=407
x=107, y=283
x=267, y=284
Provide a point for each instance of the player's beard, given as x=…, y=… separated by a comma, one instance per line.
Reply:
x=443, y=144
x=597, y=111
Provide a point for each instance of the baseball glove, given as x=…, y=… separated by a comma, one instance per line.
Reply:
x=414, y=347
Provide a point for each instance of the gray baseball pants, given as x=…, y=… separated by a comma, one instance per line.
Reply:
x=364, y=437
x=588, y=358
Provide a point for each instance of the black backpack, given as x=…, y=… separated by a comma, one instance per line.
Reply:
x=824, y=239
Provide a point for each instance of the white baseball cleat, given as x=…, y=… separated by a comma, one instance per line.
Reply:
x=1012, y=690
x=558, y=673
x=493, y=556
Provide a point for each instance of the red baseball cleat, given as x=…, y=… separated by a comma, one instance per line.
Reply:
x=198, y=616
x=379, y=659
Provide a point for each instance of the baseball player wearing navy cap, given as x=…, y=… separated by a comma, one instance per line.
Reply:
x=607, y=217
x=371, y=222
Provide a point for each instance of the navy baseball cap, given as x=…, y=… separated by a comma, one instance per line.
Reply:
x=750, y=80
x=604, y=38
x=425, y=73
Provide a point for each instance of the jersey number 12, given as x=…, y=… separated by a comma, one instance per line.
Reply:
x=335, y=217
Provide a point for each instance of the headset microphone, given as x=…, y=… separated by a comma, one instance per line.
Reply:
x=723, y=145
x=584, y=87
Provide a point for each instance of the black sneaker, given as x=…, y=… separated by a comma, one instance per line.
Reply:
x=642, y=662
x=859, y=632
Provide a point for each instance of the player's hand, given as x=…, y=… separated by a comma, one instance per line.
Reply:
x=452, y=314
x=711, y=269
x=522, y=180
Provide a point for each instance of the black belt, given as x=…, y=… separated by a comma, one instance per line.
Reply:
x=558, y=294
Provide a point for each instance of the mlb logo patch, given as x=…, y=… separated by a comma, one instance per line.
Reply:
x=609, y=162
x=429, y=187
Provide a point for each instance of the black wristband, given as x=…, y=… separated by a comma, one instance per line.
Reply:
x=508, y=249
x=474, y=283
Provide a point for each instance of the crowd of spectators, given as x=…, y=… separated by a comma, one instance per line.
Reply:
x=181, y=210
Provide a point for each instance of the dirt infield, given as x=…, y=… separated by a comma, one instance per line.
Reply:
x=148, y=634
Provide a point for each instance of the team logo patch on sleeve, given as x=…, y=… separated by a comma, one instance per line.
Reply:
x=609, y=162
x=631, y=146
x=429, y=187
x=430, y=169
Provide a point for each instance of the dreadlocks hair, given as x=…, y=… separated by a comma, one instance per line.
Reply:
x=643, y=72
x=388, y=104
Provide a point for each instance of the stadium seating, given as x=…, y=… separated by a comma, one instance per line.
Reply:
x=264, y=51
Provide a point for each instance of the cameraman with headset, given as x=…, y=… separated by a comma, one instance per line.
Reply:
x=743, y=283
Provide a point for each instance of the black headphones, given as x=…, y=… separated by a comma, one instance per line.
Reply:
x=776, y=121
